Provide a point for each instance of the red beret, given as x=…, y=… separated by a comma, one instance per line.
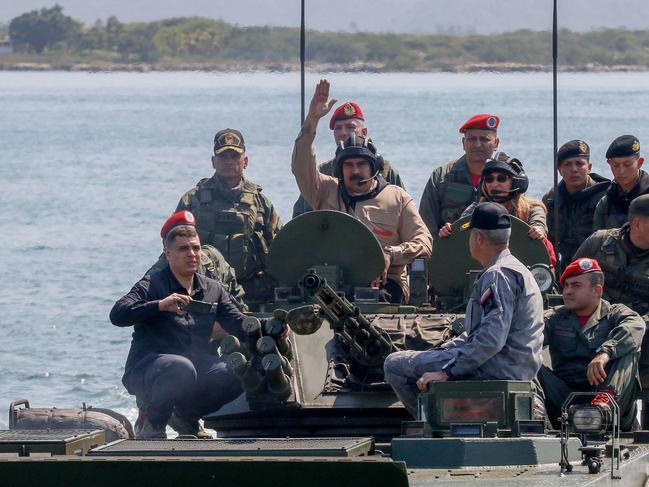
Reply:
x=482, y=121
x=179, y=218
x=346, y=111
x=579, y=267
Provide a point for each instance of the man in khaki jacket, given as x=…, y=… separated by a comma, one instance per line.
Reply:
x=360, y=190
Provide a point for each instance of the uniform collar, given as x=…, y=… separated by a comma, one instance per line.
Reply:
x=601, y=311
x=198, y=285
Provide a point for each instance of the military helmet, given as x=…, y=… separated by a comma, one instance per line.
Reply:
x=358, y=146
x=509, y=165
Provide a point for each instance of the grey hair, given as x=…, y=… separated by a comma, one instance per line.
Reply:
x=498, y=236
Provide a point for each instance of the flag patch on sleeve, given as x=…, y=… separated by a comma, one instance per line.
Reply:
x=486, y=296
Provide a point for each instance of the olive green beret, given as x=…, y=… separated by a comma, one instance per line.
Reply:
x=640, y=206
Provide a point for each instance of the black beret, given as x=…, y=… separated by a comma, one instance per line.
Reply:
x=490, y=216
x=640, y=206
x=574, y=148
x=623, y=146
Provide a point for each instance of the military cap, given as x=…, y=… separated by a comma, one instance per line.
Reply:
x=482, y=121
x=180, y=218
x=579, y=267
x=623, y=146
x=490, y=216
x=640, y=206
x=346, y=111
x=573, y=148
x=229, y=139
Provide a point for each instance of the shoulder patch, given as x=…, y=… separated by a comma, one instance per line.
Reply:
x=486, y=296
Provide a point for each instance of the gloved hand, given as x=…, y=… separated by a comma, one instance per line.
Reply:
x=304, y=320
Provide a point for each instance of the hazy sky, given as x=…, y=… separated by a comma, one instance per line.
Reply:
x=416, y=16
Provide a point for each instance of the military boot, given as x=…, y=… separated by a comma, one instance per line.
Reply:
x=145, y=430
x=188, y=427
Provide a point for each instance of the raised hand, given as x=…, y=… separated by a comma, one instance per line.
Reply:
x=320, y=103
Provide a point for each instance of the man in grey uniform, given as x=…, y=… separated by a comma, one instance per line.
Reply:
x=503, y=335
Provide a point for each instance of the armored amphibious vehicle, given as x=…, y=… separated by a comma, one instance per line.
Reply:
x=316, y=410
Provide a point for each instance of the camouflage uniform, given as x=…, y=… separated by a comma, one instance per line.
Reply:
x=613, y=209
x=389, y=173
x=503, y=335
x=625, y=267
x=614, y=329
x=214, y=266
x=576, y=211
x=447, y=194
x=241, y=223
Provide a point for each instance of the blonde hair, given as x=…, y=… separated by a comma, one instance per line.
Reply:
x=520, y=206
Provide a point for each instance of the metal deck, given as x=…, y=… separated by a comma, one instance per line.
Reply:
x=248, y=447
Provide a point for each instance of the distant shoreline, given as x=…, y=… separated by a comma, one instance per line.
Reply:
x=289, y=67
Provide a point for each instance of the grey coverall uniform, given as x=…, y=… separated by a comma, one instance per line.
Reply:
x=503, y=335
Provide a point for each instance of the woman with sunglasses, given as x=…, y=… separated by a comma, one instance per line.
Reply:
x=504, y=181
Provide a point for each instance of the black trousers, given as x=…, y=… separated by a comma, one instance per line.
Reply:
x=192, y=386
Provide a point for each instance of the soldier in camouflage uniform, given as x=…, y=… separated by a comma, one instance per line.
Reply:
x=594, y=345
x=630, y=181
x=623, y=254
x=578, y=192
x=454, y=186
x=347, y=119
x=234, y=216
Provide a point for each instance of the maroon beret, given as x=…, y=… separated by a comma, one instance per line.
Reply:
x=482, y=121
x=346, y=111
x=179, y=218
x=579, y=267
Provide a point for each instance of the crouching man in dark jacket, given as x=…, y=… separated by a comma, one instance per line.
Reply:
x=170, y=368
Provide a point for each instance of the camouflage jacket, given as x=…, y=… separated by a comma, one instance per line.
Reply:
x=615, y=328
x=625, y=267
x=241, y=223
x=613, y=209
x=447, y=194
x=389, y=173
x=576, y=211
x=214, y=266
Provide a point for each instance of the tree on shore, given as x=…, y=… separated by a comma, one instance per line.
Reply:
x=40, y=29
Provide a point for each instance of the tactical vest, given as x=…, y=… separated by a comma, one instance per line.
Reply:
x=627, y=281
x=455, y=193
x=235, y=228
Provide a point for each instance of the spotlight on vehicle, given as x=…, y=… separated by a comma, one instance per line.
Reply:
x=589, y=419
x=543, y=276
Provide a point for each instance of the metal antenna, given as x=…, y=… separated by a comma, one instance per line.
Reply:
x=555, y=50
x=302, y=60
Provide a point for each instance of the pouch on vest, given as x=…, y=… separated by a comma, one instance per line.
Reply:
x=456, y=197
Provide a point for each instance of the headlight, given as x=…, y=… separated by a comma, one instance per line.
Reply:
x=588, y=419
x=543, y=276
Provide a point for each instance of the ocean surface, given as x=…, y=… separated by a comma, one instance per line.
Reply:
x=92, y=164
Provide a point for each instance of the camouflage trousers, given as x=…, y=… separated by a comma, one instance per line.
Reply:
x=621, y=377
x=402, y=369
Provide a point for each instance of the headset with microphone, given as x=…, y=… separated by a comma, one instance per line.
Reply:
x=511, y=166
x=359, y=146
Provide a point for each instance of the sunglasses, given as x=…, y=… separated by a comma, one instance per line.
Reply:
x=501, y=178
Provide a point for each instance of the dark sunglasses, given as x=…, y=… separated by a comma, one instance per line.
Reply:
x=501, y=178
